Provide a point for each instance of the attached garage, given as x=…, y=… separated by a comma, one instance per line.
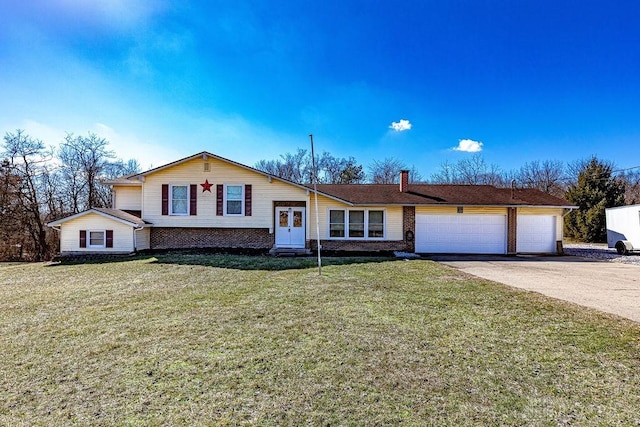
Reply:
x=536, y=234
x=461, y=233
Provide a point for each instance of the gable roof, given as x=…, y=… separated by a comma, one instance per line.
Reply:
x=204, y=155
x=112, y=214
x=441, y=194
x=136, y=179
x=390, y=194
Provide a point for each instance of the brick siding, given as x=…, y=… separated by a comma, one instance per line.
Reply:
x=361, y=245
x=181, y=238
x=409, y=224
x=512, y=228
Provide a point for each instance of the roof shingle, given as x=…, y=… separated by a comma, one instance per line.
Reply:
x=440, y=194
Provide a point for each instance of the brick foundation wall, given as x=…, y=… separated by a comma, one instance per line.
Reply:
x=361, y=245
x=182, y=238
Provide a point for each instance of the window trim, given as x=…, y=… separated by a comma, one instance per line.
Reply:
x=171, y=212
x=104, y=239
x=225, y=200
x=366, y=224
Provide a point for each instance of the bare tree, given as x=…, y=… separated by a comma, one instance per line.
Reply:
x=547, y=176
x=631, y=178
x=473, y=170
x=387, y=171
x=293, y=167
x=25, y=161
x=85, y=161
x=298, y=168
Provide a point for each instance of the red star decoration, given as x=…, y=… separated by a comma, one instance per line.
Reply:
x=206, y=186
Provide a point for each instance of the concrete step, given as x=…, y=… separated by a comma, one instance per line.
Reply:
x=292, y=252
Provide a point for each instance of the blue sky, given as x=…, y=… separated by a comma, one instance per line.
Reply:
x=414, y=80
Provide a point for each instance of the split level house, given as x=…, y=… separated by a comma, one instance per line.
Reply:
x=206, y=201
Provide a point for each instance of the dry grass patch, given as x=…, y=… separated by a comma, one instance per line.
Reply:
x=212, y=339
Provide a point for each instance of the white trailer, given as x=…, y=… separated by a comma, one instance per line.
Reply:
x=623, y=228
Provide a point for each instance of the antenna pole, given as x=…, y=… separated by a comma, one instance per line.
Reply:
x=314, y=178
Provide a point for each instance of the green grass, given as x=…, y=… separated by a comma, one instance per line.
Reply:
x=185, y=339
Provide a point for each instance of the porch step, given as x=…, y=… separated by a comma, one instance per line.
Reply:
x=289, y=252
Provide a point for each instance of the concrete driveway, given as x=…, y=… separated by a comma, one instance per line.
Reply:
x=606, y=286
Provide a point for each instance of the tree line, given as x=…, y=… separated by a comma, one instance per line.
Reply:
x=40, y=183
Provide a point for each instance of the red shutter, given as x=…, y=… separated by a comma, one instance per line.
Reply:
x=193, y=199
x=165, y=199
x=247, y=200
x=83, y=238
x=219, y=199
x=109, y=239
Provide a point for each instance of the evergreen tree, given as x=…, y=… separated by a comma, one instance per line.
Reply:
x=595, y=190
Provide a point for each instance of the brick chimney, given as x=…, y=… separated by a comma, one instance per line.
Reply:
x=404, y=181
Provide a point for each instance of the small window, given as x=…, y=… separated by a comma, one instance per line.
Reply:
x=297, y=219
x=460, y=209
x=179, y=200
x=96, y=239
x=356, y=223
x=336, y=223
x=234, y=199
x=206, y=166
x=376, y=224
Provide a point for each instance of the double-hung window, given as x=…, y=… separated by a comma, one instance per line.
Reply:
x=356, y=223
x=375, y=226
x=234, y=196
x=336, y=223
x=179, y=199
x=96, y=239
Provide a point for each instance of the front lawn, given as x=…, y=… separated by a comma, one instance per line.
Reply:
x=187, y=339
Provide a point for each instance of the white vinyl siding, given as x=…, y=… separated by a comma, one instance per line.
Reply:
x=143, y=239
x=128, y=198
x=264, y=194
x=70, y=234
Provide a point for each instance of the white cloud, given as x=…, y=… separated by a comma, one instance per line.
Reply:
x=468, y=146
x=400, y=126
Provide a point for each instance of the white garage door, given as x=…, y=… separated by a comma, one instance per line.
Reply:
x=536, y=234
x=463, y=234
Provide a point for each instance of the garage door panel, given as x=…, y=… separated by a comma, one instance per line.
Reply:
x=478, y=234
x=536, y=234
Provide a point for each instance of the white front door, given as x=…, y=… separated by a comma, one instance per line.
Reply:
x=290, y=227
